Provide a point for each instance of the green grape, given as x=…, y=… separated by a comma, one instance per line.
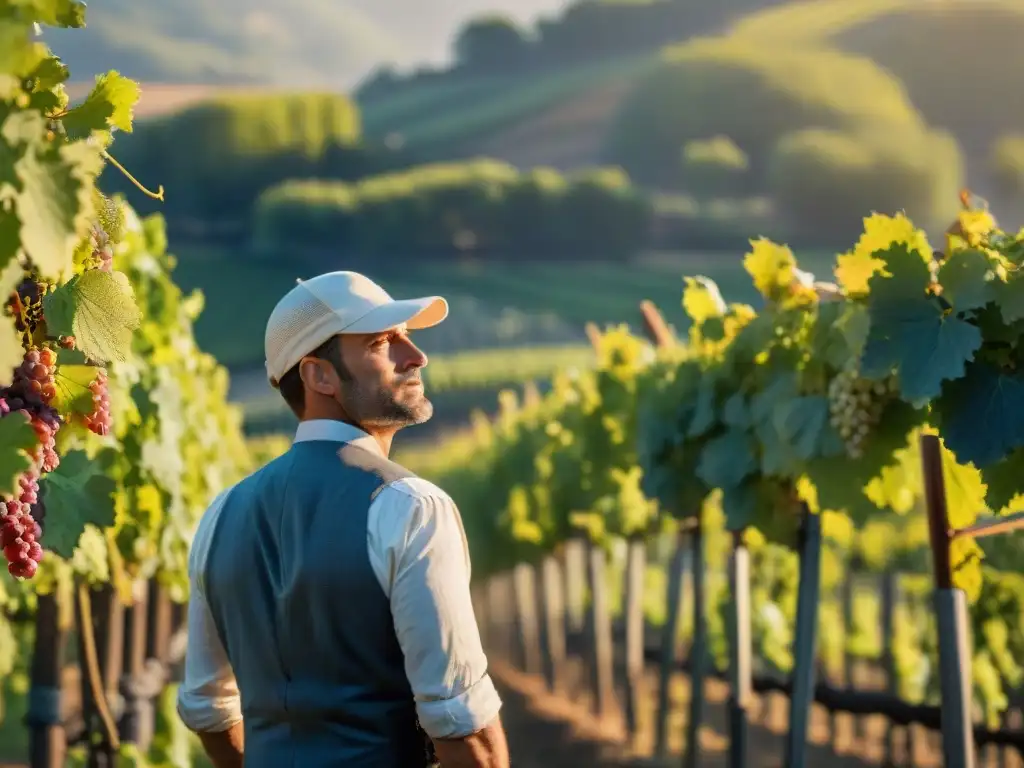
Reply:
x=856, y=406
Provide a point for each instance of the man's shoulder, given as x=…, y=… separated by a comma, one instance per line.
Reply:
x=385, y=470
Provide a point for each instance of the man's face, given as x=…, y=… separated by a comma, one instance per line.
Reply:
x=381, y=386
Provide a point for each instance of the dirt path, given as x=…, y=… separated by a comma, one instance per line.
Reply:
x=548, y=731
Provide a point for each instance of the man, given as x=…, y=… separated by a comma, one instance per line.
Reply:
x=329, y=621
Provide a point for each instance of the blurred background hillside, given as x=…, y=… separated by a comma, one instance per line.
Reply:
x=542, y=163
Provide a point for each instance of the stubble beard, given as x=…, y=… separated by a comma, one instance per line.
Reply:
x=382, y=407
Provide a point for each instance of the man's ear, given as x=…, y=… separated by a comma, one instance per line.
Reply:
x=316, y=377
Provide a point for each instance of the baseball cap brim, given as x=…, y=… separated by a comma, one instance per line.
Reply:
x=415, y=314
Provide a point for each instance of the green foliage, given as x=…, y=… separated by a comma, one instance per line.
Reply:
x=121, y=505
x=710, y=87
x=491, y=44
x=483, y=207
x=817, y=177
x=502, y=367
x=1006, y=164
x=98, y=309
x=714, y=168
x=743, y=419
x=240, y=144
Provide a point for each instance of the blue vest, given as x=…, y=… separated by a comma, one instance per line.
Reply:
x=305, y=623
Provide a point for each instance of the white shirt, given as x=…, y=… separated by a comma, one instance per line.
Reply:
x=419, y=554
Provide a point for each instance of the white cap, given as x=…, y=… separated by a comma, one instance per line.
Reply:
x=338, y=302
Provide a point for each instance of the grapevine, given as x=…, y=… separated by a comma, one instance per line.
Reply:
x=115, y=430
x=815, y=400
x=103, y=393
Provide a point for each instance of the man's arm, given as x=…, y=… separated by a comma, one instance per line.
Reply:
x=419, y=535
x=208, y=700
x=487, y=747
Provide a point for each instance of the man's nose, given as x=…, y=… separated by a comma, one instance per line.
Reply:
x=412, y=356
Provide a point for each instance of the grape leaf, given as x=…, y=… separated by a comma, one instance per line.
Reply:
x=854, y=270
x=905, y=275
x=108, y=105
x=54, y=200
x=704, y=412
x=702, y=299
x=965, y=490
x=97, y=308
x=1003, y=481
x=966, y=280
x=11, y=351
x=72, y=385
x=10, y=245
x=842, y=482
x=739, y=504
x=909, y=332
x=982, y=415
x=1010, y=297
x=925, y=346
x=19, y=54
x=77, y=493
x=59, y=13
x=736, y=413
x=726, y=460
x=16, y=438
x=803, y=423
x=772, y=267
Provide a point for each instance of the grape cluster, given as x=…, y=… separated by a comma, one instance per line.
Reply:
x=99, y=420
x=856, y=406
x=34, y=379
x=27, y=305
x=20, y=531
x=21, y=516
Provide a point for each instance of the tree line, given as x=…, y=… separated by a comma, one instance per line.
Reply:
x=479, y=208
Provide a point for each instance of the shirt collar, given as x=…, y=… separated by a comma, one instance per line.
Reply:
x=335, y=431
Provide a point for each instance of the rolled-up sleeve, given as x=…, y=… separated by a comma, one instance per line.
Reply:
x=208, y=697
x=433, y=615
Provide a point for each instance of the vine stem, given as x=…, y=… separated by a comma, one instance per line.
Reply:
x=93, y=666
x=158, y=195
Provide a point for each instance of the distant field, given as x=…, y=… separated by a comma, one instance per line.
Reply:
x=231, y=326
x=158, y=99
x=467, y=110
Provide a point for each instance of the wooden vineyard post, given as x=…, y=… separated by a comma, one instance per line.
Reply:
x=602, y=662
x=524, y=587
x=575, y=583
x=47, y=740
x=698, y=649
x=636, y=566
x=741, y=652
x=890, y=598
x=951, y=619
x=668, y=642
x=849, y=594
x=804, y=641
x=139, y=721
x=553, y=597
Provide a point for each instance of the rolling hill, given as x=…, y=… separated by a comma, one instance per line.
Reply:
x=958, y=60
